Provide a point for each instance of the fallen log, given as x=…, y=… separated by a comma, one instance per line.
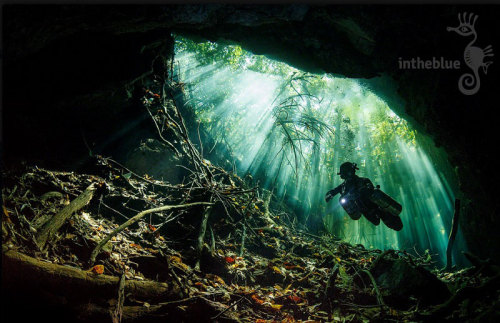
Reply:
x=52, y=226
x=22, y=272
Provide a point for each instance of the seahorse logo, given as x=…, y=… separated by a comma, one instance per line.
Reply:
x=473, y=56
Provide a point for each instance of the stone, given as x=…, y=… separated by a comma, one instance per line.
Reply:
x=399, y=280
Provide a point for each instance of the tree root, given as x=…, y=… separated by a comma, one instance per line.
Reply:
x=116, y=317
x=380, y=299
x=201, y=235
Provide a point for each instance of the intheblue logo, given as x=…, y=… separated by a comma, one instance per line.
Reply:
x=474, y=56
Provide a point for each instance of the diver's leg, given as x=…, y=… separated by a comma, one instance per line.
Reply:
x=391, y=221
x=371, y=215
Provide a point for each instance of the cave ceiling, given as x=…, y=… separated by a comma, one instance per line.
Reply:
x=363, y=42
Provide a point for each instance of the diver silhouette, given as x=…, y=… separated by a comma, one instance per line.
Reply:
x=359, y=197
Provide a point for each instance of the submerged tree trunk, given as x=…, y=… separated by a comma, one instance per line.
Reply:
x=22, y=272
x=453, y=233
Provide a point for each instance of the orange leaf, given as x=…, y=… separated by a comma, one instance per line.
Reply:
x=135, y=245
x=6, y=213
x=229, y=260
x=257, y=299
x=152, y=228
x=216, y=278
x=98, y=269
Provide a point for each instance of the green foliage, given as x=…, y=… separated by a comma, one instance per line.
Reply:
x=315, y=117
x=233, y=56
x=291, y=130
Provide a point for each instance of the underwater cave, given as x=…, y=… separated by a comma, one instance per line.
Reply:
x=171, y=162
x=292, y=130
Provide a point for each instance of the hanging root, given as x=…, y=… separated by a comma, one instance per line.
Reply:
x=380, y=299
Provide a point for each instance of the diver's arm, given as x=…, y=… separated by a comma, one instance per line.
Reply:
x=330, y=194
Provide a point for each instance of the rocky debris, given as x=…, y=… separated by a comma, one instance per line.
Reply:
x=265, y=272
x=399, y=280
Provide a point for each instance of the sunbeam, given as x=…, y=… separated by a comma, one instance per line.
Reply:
x=291, y=130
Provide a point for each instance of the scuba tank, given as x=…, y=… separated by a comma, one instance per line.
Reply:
x=354, y=206
x=385, y=202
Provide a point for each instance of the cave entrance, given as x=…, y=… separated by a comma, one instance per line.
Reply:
x=290, y=130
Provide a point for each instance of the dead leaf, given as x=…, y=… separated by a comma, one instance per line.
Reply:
x=257, y=299
x=276, y=307
x=216, y=279
x=97, y=269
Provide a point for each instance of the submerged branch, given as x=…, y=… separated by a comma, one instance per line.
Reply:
x=134, y=219
x=380, y=299
x=56, y=222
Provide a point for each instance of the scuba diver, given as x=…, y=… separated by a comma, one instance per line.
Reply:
x=359, y=196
